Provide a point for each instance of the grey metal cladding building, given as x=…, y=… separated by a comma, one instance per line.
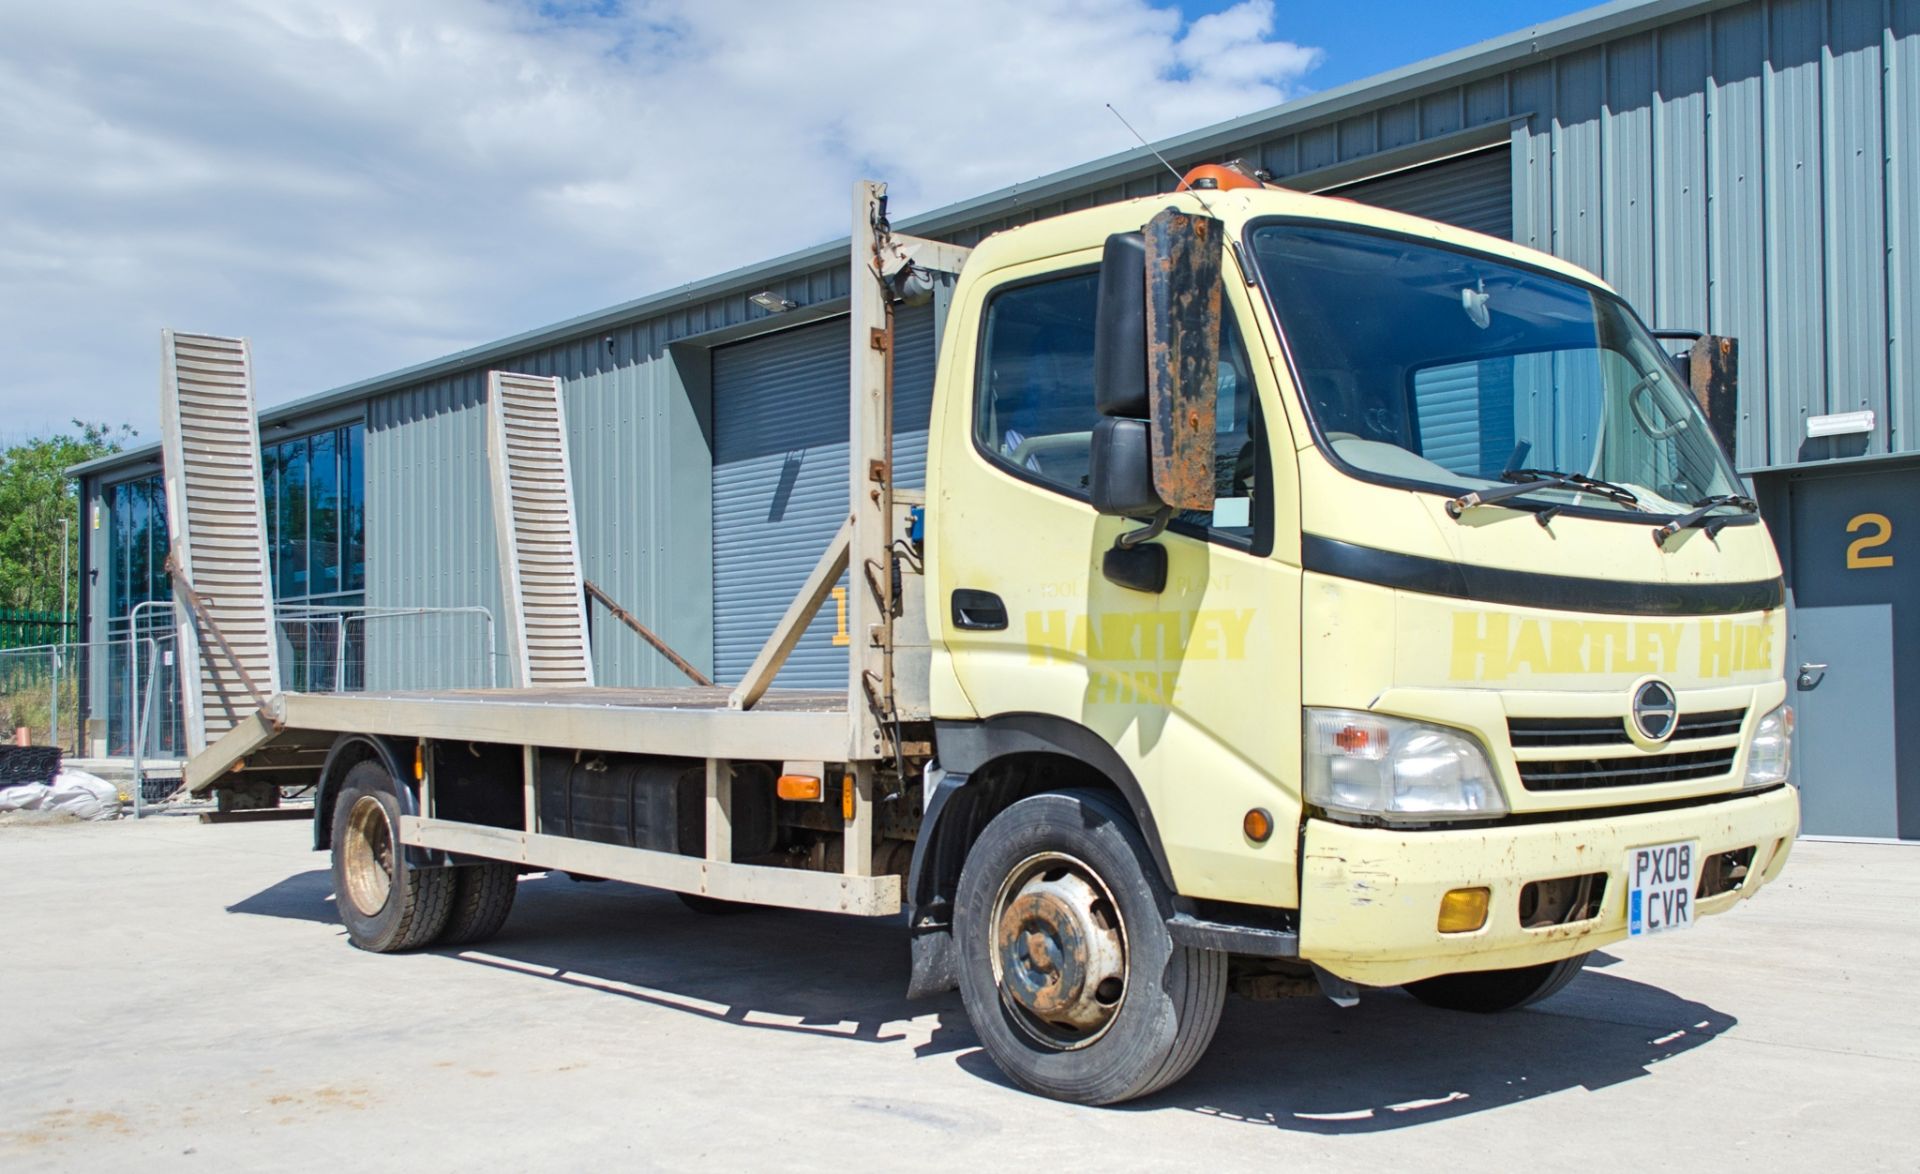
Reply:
x=1744, y=168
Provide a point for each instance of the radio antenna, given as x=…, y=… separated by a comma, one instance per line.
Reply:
x=1178, y=178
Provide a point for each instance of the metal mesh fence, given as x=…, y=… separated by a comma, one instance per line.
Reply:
x=350, y=650
x=95, y=699
x=120, y=698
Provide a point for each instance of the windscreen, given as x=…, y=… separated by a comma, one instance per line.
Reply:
x=1453, y=370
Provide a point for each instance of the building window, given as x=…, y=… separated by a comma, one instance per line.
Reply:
x=138, y=560
x=316, y=531
x=137, y=573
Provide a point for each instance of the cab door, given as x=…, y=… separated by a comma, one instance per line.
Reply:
x=1197, y=687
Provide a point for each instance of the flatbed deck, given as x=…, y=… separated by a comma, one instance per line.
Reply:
x=294, y=729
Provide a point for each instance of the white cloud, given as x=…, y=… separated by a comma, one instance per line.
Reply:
x=358, y=185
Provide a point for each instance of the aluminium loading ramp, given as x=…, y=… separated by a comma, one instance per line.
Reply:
x=216, y=525
x=533, y=523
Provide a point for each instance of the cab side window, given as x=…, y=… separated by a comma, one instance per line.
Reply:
x=1034, y=413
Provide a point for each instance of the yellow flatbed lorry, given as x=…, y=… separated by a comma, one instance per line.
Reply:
x=1310, y=597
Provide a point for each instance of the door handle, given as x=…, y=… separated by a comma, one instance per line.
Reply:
x=1811, y=675
x=978, y=611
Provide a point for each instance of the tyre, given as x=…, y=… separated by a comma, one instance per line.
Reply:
x=1067, y=971
x=1488, y=991
x=713, y=906
x=386, y=904
x=482, y=898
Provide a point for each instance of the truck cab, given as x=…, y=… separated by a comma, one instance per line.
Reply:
x=1477, y=642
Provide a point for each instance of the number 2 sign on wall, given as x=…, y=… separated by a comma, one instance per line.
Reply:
x=1879, y=530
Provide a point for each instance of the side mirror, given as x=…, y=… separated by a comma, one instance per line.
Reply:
x=1157, y=358
x=1120, y=329
x=1120, y=470
x=1156, y=370
x=1120, y=481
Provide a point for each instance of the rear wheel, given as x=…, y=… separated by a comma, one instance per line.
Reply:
x=482, y=899
x=1487, y=991
x=386, y=904
x=1067, y=971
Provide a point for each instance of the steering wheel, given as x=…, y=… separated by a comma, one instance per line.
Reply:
x=1639, y=398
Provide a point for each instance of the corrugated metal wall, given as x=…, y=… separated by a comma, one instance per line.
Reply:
x=429, y=523
x=780, y=480
x=638, y=432
x=779, y=494
x=1742, y=172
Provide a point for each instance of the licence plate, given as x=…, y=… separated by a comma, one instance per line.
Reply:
x=1660, y=884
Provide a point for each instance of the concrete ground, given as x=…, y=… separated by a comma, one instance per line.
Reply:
x=180, y=996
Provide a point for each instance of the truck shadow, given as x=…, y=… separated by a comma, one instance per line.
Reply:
x=773, y=969
x=1307, y=1066
x=1301, y=1065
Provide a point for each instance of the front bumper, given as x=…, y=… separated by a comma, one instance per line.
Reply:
x=1370, y=897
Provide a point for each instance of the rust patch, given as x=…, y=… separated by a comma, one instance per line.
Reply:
x=1027, y=933
x=1714, y=371
x=1184, y=254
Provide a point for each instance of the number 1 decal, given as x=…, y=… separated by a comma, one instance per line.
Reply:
x=1857, y=558
x=840, y=606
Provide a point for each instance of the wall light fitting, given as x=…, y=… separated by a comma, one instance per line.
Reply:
x=1840, y=424
x=772, y=302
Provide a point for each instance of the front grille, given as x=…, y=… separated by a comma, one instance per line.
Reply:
x=1579, y=774
x=1676, y=764
x=1542, y=732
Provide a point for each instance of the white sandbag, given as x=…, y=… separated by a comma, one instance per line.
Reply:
x=23, y=796
x=82, y=795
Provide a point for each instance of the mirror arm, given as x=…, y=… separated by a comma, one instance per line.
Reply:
x=1153, y=529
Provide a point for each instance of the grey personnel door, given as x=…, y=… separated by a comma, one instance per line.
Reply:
x=1853, y=659
x=780, y=482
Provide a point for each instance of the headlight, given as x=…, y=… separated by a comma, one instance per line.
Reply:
x=1770, y=754
x=1395, y=769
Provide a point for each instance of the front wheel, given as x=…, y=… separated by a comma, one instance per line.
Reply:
x=1488, y=991
x=1067, y=971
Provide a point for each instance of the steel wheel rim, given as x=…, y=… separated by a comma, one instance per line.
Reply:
x=369, y=856
x=1059, y=951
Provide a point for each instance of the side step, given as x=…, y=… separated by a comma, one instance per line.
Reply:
x=791, y=888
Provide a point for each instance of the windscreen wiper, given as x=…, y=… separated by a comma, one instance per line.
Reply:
x=1750, y=513
x=1534, y=480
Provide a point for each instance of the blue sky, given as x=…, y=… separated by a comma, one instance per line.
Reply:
x=1373, y=36
x=359, y=185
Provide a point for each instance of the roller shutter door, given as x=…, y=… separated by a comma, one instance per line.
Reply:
x=780, y=481
x=1473, y=191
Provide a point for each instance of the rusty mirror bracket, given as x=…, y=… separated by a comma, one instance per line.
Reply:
x=1183, y=264
x=1710, y=367
x=1714, y=376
